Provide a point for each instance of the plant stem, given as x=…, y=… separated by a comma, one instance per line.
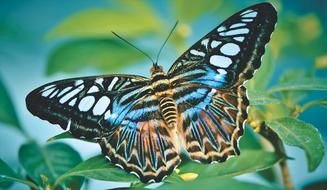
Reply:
x=286, y=176
x=278, y=145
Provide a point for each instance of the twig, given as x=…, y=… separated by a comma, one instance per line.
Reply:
x=278, y=145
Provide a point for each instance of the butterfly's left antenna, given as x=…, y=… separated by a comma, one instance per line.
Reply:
x=134, y=47
x=163, y=45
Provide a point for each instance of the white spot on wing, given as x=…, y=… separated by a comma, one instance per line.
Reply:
x=222, y=71
x=230, y=49
x=247, y=20
x=222, y=28
x=235, y=32
x=107, y=114
x=205, y=42
x=240, y=39
x=198, y=53
x=93, y=89
x=78, y=82
x=48, y=87
x=101, y=106
x=251, y=15
x=72, y=102
x=220, y=61
x=86, y=103
x=112, y=84
x=64, y=90
x=120, y=166
x=54, y=93
x=99, y=81
x=238, y=25
x=47, y=92
x=134, y=173
x=247, y=11
x=215, y=43
x=68, y=124
x=71, y=94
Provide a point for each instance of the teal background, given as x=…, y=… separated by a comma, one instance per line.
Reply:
x=24, y=54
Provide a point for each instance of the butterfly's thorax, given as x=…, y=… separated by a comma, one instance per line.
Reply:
x=163, y=91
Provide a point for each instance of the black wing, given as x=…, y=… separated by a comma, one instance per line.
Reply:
x=90, y=106
x=208, y=80
x=229, y=54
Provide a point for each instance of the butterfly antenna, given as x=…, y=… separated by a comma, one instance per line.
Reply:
x=133, y=46
x=163, y=45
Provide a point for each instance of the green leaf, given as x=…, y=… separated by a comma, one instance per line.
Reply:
x=64, y=135
x=45, y=164
x=7, y=110
x=67, y=135
x=250, y=140
x=215, y=183
x=301, y=84
x=97, y=168
x=8, y=175
x=249, y=161
x=107, y=55
x=133, y=21
x=261, y=98
x=297, y=133
x=263, y=75
x=189, y=10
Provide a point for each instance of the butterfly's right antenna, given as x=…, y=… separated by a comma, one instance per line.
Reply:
x=134, y=46
x=163, y=45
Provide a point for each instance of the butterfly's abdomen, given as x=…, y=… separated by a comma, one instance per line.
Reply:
x=168, y=110
x=162, y=90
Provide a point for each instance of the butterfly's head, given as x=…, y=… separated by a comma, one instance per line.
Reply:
x=156, y=69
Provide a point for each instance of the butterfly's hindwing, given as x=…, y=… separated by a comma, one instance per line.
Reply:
x=143, y=144
x=212, y=121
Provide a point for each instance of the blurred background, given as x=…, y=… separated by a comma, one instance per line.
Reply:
x=42, y=41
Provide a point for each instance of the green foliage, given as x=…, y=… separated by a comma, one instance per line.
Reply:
x=215, y=183
x=301, y=84
x=45, y=164
x=97, y=168
x=8, y=175
x=7, y=110
x=303, y=135
x=86, y=42
x=97, y=23
x=249, y=161
x=102, y=54
x=189, y=10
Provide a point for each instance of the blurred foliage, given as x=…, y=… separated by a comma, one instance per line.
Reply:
x=85, y=41
x=44, y=165
x=7, y=110
x=101, y=54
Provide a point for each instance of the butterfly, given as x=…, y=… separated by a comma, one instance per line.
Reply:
x=199, y=105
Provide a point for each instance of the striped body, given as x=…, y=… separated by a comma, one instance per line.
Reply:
x=163, y=91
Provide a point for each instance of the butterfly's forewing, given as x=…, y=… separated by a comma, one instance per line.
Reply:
x=91, y=106
x=229, y=54
x=208, y=79
x=120, y=113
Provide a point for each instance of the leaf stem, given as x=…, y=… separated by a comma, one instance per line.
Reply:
x=278, y=145
x=286, y=176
